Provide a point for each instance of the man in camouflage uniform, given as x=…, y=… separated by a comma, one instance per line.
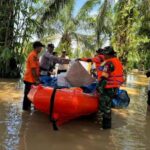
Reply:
x=111, y=79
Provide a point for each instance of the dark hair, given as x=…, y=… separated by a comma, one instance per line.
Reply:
x=37, y=44
x=51, y=45
x=108, y=50
x=99, y=51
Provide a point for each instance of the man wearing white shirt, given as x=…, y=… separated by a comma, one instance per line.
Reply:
x=63, y=67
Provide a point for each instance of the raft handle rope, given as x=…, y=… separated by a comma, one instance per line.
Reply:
x=52, y=98
x=51, y=110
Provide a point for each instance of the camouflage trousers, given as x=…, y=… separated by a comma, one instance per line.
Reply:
x=105, y=101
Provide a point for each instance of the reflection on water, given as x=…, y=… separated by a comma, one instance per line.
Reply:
x=32, y=130
x=10, y=115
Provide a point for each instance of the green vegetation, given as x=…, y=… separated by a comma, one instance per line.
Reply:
x=126, y=24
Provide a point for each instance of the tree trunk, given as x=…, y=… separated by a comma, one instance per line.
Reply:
x=7, y=23
x=8, y=65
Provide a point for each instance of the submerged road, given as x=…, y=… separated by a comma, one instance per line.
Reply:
x=21, y=130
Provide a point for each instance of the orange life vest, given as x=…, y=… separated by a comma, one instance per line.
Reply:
x=115, y=78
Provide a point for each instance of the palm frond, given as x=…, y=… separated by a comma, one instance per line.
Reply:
x=101, y=19
x=87, y=41
x=53, y=8
x=86, y=8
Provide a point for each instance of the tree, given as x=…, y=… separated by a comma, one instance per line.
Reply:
x=126, y=25
x=80, y=29
x=103, y=28
x=144, y=33
x=17, y=25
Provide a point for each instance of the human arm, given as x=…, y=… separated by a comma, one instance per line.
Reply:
x=34, y=66
x=84, y=59
x=64, y=61
x=35, y=75
x=107, y=69
x=98, y=59
x=56, y=59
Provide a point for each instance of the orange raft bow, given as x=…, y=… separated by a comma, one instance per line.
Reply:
x=64, y=104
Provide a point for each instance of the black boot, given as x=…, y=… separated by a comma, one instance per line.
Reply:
x=106, y=123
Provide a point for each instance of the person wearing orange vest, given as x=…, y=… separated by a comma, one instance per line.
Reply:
x=98, y=59
x=31, y=75
x=111, y=79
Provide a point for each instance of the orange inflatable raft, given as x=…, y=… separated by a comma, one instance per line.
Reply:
x=64, y=104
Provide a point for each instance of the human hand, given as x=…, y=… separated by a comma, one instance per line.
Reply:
x=37, y=82
x=78, y=59
x=53, y=73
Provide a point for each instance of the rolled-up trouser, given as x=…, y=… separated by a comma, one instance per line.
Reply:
x=26, y=101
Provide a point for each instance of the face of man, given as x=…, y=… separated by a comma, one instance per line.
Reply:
x=50, y=49
x=39, y=49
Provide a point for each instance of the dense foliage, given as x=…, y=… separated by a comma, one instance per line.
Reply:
x=125, y=24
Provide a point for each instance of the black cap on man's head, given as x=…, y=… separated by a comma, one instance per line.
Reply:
x=37, y=44
x=108, y=50
x=99, y=51
x=51, y=45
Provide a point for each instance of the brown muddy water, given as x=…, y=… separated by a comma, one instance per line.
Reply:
x=32, y=131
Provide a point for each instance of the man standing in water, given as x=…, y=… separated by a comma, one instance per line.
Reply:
x=110, y=81
x=31, y=75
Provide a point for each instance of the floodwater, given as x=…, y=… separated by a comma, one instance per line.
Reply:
x=32, y=131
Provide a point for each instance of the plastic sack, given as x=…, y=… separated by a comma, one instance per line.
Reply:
x=48, y=81
x=61, y=80
x=89, y=88
x=121, y=99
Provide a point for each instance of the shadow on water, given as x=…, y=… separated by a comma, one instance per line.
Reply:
x=32, y=130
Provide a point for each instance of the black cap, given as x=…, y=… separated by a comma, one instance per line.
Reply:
x=108, y=50
x=38, y=44
x=51, y=45
x=99, y=51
